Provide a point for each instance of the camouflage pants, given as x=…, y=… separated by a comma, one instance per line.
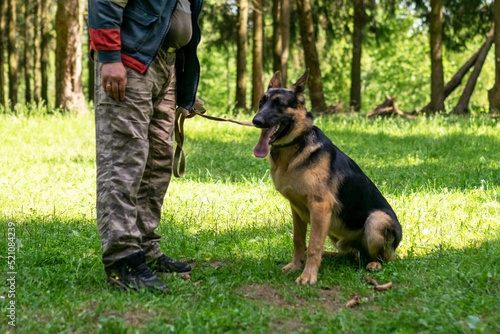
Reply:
x=134, y=148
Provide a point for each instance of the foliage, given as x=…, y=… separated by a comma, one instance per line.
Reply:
x=463, y=20
x=439, y=173
x=395, y=56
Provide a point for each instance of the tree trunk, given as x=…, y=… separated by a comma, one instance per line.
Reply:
x=462, y=106
x=459, y=75
x=494, y=93
x=44, y=51
x=258, y=67
x=12, y=52
x=285, y=40
x=436, y=44
x=90, y=62
x=315, y=84
x=241, y=57
x=357, y=45
x=36, y=51
x=2, y=53
x=28, y=55
x=457, y=78
x=69, y=89
x=277, y=35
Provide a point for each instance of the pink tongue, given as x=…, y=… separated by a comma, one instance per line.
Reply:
x=262, y=148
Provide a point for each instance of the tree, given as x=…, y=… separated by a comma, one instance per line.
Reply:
x=281, y=37
x=241, y=55
x=45, y=38
x=2, y=52
x=315, y=83
x=12, y=52
x=462, y=106
x=28, y=48
x=277, y=34
x=285, y=40
x=494, y=93
x=69, y=89
x=37, y=10
x=357, y=45
x=436, y=46
x=257, y=54
x=90, y=62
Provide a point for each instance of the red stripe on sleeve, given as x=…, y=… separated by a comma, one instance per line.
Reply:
x=134, y=64
x=105, y=39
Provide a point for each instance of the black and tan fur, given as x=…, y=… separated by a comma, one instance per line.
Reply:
x=326, y=188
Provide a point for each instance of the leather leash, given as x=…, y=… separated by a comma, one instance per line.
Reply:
x=180, y=116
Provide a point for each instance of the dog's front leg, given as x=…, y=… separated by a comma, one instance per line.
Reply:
x=321, y=213
x=299, y=243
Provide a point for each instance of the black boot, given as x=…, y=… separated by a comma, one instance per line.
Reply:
x=132, y=272
x=164, y=265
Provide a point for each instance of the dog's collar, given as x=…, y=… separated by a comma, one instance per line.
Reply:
x=296, y=140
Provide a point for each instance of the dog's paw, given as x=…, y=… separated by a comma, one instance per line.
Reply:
x=374, y=266
x=290, y=267
x=306, y=279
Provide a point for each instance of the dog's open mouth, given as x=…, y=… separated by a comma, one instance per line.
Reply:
x=262, y=148
x=267, y=137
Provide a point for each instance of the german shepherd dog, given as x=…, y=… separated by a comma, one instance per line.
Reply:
x=325, y=188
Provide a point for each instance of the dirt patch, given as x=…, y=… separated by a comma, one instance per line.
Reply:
x=263, y=292
x=325, y=298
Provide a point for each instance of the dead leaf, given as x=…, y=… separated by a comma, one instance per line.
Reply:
x=353, y=301
x=383, y=287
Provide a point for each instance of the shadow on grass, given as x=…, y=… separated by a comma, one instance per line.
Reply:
x=411, y=162
x=59, y=265
x=74, y=248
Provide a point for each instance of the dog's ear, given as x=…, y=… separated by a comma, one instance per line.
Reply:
x=299, y=86
x=275, y=81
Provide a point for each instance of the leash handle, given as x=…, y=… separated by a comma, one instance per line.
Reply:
x=179, y=156
x=180, y=116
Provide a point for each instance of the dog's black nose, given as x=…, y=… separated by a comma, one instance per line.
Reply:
x=258, y=121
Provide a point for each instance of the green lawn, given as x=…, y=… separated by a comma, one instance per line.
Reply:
x=440, y=174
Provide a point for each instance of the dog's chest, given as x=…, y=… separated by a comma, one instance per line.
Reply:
x=305, y=185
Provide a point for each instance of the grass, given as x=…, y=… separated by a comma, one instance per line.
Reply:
x=441, y=175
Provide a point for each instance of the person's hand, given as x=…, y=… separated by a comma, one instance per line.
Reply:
x=114, y=80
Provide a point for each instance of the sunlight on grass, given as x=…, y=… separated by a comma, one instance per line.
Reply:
x=51, y=173
x=440, y=174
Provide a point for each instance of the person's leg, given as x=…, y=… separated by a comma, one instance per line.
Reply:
x=121, y=152
x=159, y=166
x=158, y=171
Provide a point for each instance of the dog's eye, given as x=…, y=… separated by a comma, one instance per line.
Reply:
x=262, y=101
x=280, y=102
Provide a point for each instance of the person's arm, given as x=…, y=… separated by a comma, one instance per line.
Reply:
x=105, y=19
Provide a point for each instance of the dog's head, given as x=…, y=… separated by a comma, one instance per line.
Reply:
x=282, y=115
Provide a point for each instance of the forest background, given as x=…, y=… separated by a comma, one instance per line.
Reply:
x=439, y=172
x=432, y=56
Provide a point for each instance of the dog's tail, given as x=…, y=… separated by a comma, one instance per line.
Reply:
x=382, y=236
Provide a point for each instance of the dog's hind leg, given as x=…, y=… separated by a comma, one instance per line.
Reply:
x=299, y=243
x=379, y=239
x=321, y=213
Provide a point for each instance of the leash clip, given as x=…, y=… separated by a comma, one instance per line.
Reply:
x=198, y=108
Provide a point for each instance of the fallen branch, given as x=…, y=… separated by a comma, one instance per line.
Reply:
x=378, y=287
x=389, y=108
